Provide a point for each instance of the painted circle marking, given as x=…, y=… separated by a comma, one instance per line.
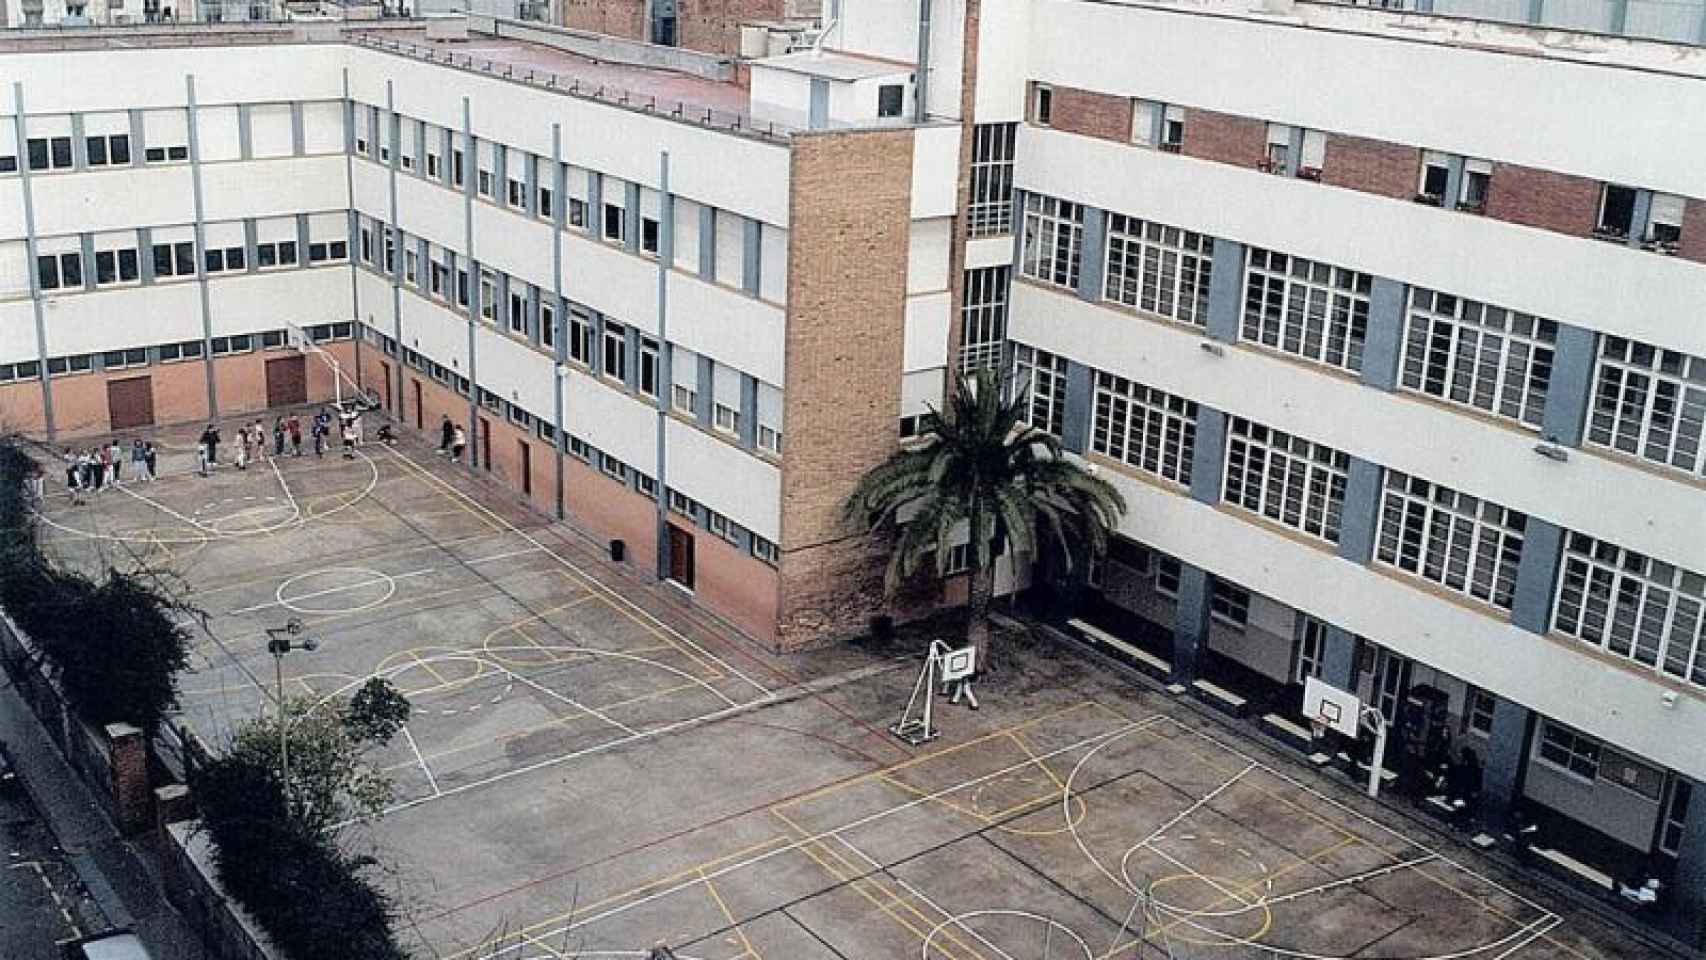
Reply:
x=358, y=577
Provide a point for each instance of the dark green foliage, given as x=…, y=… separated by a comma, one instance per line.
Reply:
x=376, y=712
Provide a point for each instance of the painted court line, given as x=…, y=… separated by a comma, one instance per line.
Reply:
x=617, y=596
x=1198, y=805
x=432, y=781
x=1349, y=881
x=372, y=581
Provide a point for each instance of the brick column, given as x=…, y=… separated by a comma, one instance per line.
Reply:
x=1536, y=575
x=1190, y=622
x=1225, y=290
x=1385, y=341
x=1361, y=513
x=1208, y=455
x=1570, y=390
x=128, y=760
x=1507, y=760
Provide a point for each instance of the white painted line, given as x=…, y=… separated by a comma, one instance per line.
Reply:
x=1193, y=808
x=295, y=508
x=1550, y=924
x=432, y=781
x=1351, y=881
x=194, y=524
x=341, y=588
x=564, y=698
x=950, y=919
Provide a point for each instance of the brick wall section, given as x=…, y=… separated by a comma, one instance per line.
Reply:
x=1372, y=166
x=713, y=26
x=1694, y=231
x=1224, y=137
x=619, y=18
x=132, y=793
x=847, y=257
x=1091, y=114
x=1542, y=198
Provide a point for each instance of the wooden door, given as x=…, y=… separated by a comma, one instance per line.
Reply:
x=418, y=420
x=526, y=468
x=130, y=402
x=681, y=556
x=385, y=373
x=287, y=381
x=486, y=442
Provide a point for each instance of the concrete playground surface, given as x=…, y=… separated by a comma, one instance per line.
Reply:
x=595, y=766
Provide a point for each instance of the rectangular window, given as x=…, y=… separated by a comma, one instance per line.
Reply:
x=615, y=351
x=1488, y=358
x=1632, y=606
x=765, y=550
x=615, y=224
x=726, y=418
x=890, y=99
x=485, y=186
x=1169, y=572
x=411, y=262
x=517, y=194
x=769, y=440
x=1676, y=814
x=648, y=366
x=983, y=318
x=1569, y=751
x=1054, y=240
x=1311, y=649
x=646, y=485
x=1042, y=105
x=1278, y=156
x=1308, y=309
x=432, y=166
x=1664, y=221
x=990, y=212
x=1145, y=428
x=612, y=467
x=1478, y=712
x=548, y=326
x=1173, y=129
x=488, y=296
x=115, y=266
x=458, y=163
x=1040, y=377
x=546, y=211
x=682, y=504
x=1650, y=403
x=1477, y=182
x=721, y=526
x=684, y=398
x=1229, y=603
x=1159, y=269
x=1144, y=121
x=649, y=235
x=1461, y=542
x=1285, y=478
x=1616, y=212
x=580, y=336
x=1436, y=178
x=461, y=288
x=577, y=213
x=518, y=314
x=110, y=150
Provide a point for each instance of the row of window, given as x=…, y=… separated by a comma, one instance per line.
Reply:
x=113, y=264
x=100, y=140
x=132, y=357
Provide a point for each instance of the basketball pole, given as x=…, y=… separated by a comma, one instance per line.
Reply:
x=306, y=345
x=1373, y=717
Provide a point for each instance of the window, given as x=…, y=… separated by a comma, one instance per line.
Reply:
x=1041, y=376
x=1145, y=122
x=518, y=313
x=1287, y=479
x=1308, y=309
x=722, y=526
x=983, y=318
x=725, y=418
x=1461, y=542
x=461, y=287
x=646, y=485
x=648, y=366
x=1616, y=212
x=390, y=251
x=411, y=263
x=1169, y=572
x=282, y=253
x=649, y=235
x=1650, y=403
x=1160, y=269
x=990, y=212
x=1436, y=178
x=1478, y=712
x=120, y=359
x=242, y=343
x=55, y=271
x=115, y=266
x=485, y=187
x=577, y=213
x=1054, y=240
x=110, y=150
x=682, y=504
x=1145, y=428
x=545, y=430
x=612, y=467
x=545, y=209
x=187, y=350
x=1477, y=181
x=50, y=153
x=548, y=326
x=491, y=401
x=1278, y=156
x=166, y=154
x=765, y=550
x=319, y=252
x=911, y=427
x=1569, y=751
x=457, y=163
x=1488, y=358
x=79, y=363
x=517, y=194
x=890, y=98
x=580, y=336
x=520, y=417
x=488, y=296
x=1173, y=129
x=1311, y=649
x=769, y=439
x=1664, y=221
x=615, y=224
x=615, y=351
x=1632, y=606
x=1676, y=815
x=684, y=398
x=1229, y=603
x=1042, y=105
x=432, y=166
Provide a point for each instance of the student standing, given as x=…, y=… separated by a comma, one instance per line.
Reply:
x=278, y=437
x=104, y=462
x=138, y=461
x=458, y=443
x=148, y=458
x=446, y=433
x=210, y=439
x=116, y=450
x=294, y=425
x=72, y=482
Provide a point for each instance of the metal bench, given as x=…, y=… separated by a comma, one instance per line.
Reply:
x=1219, y=697
x=1144, y=660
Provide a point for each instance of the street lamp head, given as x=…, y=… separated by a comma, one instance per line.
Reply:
x=294, y=626
x=310, y=644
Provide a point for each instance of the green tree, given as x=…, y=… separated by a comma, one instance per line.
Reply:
x=979, y=468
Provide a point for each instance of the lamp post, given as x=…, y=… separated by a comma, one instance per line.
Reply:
x=279, y=643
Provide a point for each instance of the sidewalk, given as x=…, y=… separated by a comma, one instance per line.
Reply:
x=112, y=869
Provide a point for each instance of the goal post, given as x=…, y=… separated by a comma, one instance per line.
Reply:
x=297, y=338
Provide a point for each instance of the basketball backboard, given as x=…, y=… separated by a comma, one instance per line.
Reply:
x=958, y=664
x=1331, y=707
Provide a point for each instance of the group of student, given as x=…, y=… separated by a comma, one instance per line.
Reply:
x=98, y=468
x=452, y=439
x=252, y=438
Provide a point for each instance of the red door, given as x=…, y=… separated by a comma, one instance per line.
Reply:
x=486, y=442
x=681, y=556
x=526, y=468
x=417, y=384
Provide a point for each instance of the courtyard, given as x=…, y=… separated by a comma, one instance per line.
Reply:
x=594, y=766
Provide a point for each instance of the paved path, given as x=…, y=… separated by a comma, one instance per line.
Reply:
x=84, y=851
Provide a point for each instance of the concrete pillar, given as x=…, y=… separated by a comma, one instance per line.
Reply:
x=1537, y=575
x=748, y=411
x=1190, y=622
x=1339, y=658
x=1208, y=456
x=1075, y=427
x=752, y=254
x=707, y=242
x=1093, y=259
x=631, y=214
x=1507, y=760
x=1226, y=290
x=1569, y=393
x=1360, y=516
x=707, y=388
x=1384, y=345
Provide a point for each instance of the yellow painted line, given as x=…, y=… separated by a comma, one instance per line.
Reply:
x=712, y=890
x=1018, y=737
x=428, y=668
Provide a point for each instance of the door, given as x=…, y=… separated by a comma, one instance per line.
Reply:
x=385, y=372
x=287, y=381
x=681, y=556
x=1392, y=679
x=418, y=421
x=130, y=402
x=486, y=442
x=526, y=468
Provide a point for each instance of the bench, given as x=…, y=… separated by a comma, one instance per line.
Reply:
x=1387, y=777
x=1144, y=660
x=1219, y=698
x=1289, y=733
x=1575, y=869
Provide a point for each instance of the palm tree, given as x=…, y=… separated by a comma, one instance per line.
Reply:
x=980, y=468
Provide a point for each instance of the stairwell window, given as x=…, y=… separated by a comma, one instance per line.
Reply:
x=1042, y=105
x=1054, y=240
x=1040, y=376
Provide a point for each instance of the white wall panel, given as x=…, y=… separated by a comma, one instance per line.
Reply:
x=730, y=481
x=108, y=200
x=270, y=133
x=773, y=264
x=428, y=327
x=686, y=236
x=244, y=303
x=516, y=245
x=17, y=331
x=1569, y=279
x=424, y=209
x=609, y=280
x=935, y=170
x=273, y=187
x=216, y=134
x=323, y=127
x=612, y=421
x=989, y=252
x=926, y=343
x=927, y=255
x=744, y=333
x=131, y=317
x=1393, y=430
x=515, y=372
x=921, y=390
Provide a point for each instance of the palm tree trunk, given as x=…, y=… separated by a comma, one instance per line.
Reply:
x=980, y=588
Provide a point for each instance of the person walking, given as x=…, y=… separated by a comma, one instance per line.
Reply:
x=138, y=461
x=243, y=441
x=355, y=426
x=73, y=483
x=104, y=462
x=278, y=437
x=148, y=458
x=210, y=439
x=446, y=433
x=294, y=425
x=458, y=443
x=258, y=434
x=116, y=449
x=349, y=439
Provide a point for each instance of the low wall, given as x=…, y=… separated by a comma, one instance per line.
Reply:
x=112, y=760
x=187, y=863
x=599, y=46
